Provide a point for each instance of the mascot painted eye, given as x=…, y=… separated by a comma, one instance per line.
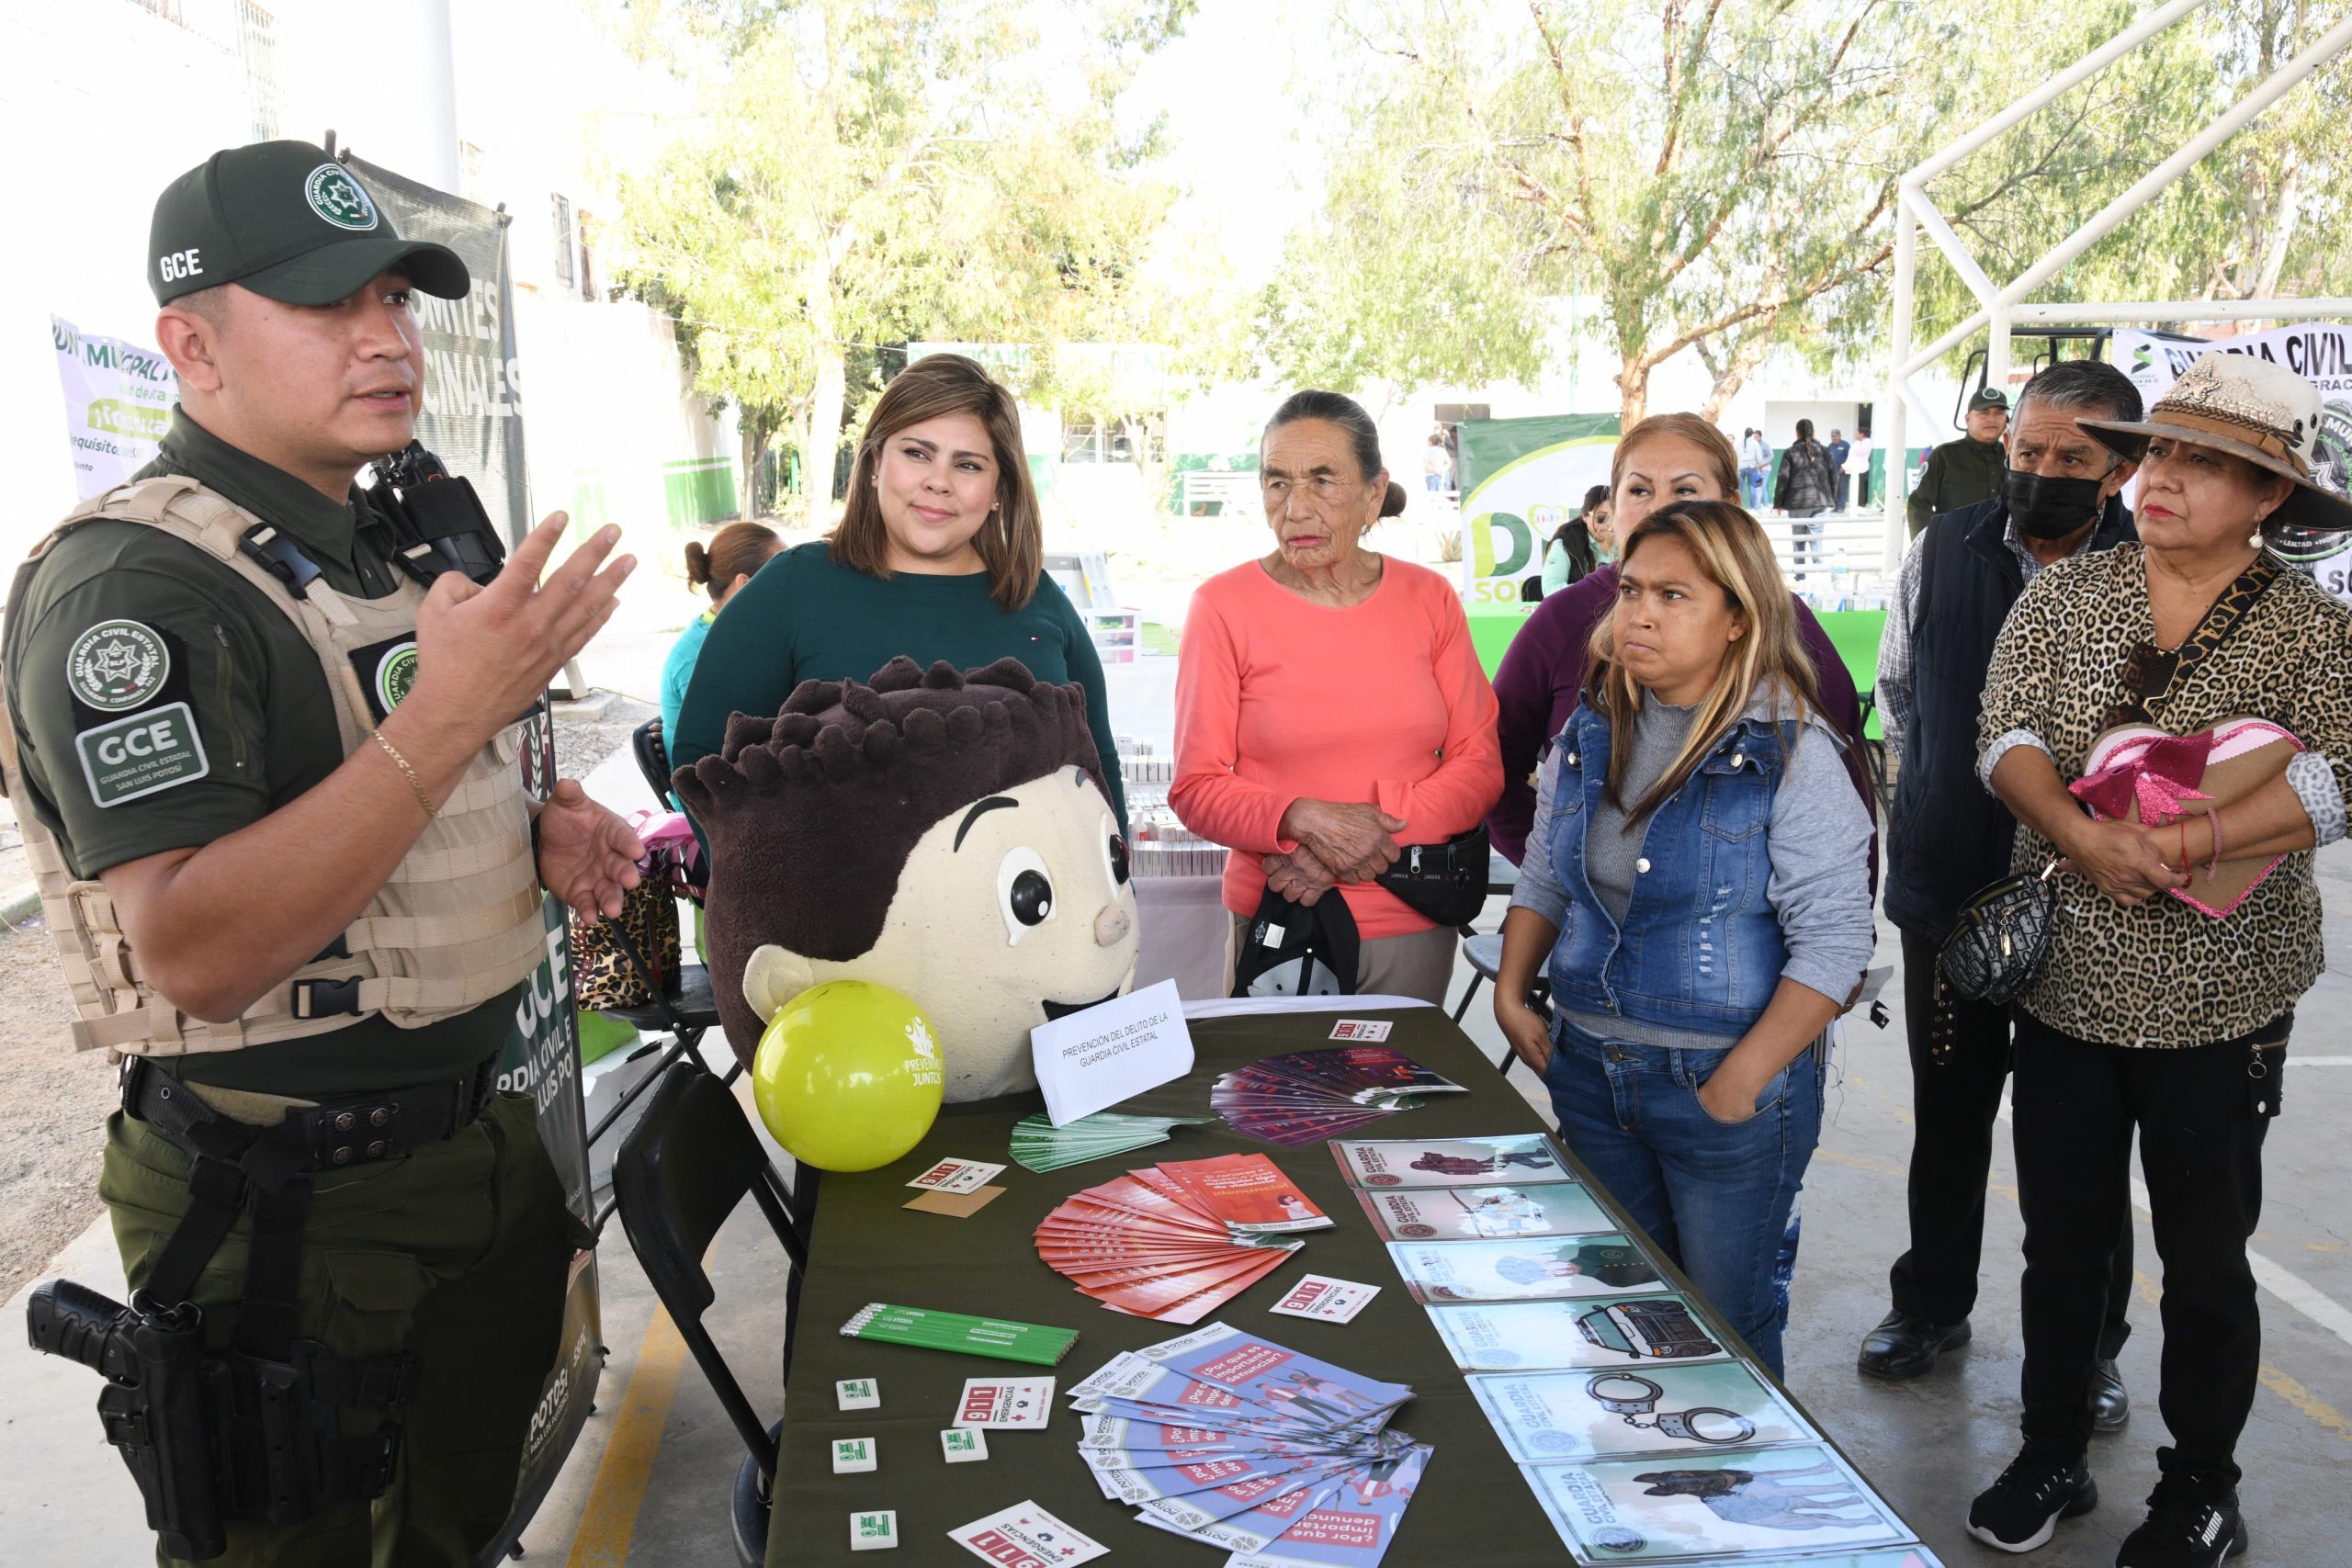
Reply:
x=1024, y=891
x=921, y=832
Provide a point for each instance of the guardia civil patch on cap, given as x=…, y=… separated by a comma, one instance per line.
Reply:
x=116, y=665
x=342, y=201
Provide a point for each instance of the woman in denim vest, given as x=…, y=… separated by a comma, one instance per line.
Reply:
x=1698, y=876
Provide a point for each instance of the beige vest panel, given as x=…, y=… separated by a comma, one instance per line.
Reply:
x=458, y=923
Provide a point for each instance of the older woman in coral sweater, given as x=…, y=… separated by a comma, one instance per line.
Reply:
x=1329, y=707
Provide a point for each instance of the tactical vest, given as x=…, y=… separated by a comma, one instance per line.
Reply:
x=457, y=923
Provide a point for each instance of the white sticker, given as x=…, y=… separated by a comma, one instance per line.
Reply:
x=854, y=1456
x=1318, y=1295
x=1005, y=1402
x=858, y=1394
x=876, y=1531
x=1026, y=1533
x=1369, y=1031
x=956, y=1175
x=964, y=1445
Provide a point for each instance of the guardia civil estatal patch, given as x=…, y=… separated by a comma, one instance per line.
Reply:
x=116, y=665
x=334, y=196
x=138, y=755
x=395, y=673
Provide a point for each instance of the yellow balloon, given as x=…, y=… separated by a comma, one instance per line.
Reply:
x=848, y=1076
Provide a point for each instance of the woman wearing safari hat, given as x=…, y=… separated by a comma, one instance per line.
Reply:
x=2167, y=998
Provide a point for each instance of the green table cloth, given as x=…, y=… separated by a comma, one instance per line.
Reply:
x=1473, y=1504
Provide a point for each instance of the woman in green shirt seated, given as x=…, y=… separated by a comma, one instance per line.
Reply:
x=938, y=556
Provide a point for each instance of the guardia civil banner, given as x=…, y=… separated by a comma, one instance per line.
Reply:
x=2321, y=353
x=118, y=397
x=1521, y=480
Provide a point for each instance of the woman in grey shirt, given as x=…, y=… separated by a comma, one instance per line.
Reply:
x=1697, y=882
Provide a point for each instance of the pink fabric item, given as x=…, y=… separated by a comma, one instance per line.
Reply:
x=1279, y=700
x=2143, y=767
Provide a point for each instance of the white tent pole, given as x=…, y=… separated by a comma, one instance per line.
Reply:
x=1892, y=435
x=2301, y=309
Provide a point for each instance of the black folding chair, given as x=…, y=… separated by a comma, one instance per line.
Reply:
x=682, y=1169
x=651, y=748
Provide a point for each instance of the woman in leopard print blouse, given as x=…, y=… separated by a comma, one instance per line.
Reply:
x=2149, y=1015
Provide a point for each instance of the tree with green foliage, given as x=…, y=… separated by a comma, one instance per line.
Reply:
x=1721, y=177
x=865, y=175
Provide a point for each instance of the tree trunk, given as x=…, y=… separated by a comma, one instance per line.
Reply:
x=824, y=434
x=1733, y=374
x=1633, y=392
x=754, y=445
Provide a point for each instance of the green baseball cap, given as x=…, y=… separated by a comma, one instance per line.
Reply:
x=286, y=221
x=1988, y=398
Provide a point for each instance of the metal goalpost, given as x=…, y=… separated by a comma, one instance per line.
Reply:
x=2001, y=307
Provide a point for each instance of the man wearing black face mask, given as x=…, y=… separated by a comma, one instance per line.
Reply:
x=1947, y=836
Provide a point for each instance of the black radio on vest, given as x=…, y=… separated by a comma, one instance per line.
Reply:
x=440, y=521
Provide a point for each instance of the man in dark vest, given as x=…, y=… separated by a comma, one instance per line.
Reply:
x=1947, y=836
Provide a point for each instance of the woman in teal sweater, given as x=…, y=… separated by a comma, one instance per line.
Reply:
x=938, y=556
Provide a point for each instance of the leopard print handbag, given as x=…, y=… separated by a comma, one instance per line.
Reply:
x=610, y=959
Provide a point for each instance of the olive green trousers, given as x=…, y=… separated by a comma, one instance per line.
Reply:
x=457, y=1252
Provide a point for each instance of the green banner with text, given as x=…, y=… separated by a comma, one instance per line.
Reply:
x=1521, y=480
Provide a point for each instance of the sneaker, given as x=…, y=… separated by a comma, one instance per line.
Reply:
x=2019, y=1512
x=2186, y=1528
x=1905, y=1346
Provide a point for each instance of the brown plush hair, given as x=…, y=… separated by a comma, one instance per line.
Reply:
x=810, y=815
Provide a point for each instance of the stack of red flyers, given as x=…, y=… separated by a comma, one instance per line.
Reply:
x=1307, y=1096
x=1233, y=1440
x=1175, y=1241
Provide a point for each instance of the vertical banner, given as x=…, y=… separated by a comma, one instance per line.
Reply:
x=118, y=398
x=2321, y=353
x=472, y=418
x=1521, y=480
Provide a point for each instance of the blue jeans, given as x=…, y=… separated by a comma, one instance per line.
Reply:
x=1714, y=1195
x=1751, y=488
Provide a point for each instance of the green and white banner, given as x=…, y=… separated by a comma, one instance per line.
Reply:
x=1521, y=480
x=2321, y=353
x=118, y=397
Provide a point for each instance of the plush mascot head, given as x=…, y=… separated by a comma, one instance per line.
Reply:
x=947, y=835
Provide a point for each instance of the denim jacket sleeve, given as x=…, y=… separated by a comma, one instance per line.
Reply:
x=1539, y=886
x=1819, y=888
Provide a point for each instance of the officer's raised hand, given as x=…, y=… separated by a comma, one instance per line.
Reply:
x=485, y=654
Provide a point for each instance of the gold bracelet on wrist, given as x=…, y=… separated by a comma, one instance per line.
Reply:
x=415, y=784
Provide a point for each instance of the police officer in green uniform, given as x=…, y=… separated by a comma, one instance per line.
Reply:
x=271, y=786
x=1964, y=473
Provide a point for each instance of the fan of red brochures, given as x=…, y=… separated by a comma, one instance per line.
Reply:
x=1307, y=1096
x=1176, y=1241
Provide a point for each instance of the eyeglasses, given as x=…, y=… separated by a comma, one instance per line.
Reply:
x=2147, y=673
x=1322, y=488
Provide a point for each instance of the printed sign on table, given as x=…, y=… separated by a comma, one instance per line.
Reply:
x=1548, y=1416
x=1111, y=1052
x=1508, y=1335
x=1448, y=1162
x=1710, y=1507
x=1529, y=1270
x=1484, y=1214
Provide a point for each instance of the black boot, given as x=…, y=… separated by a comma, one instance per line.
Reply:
x=2111, y=1400
x=1903, y=1347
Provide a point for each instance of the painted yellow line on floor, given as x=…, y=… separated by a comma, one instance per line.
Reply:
x=609, y=1521
x=2318, y=1411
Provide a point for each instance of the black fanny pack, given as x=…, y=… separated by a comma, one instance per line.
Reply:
x=1445, y=883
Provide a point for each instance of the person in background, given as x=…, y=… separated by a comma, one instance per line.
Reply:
x=733, y=555
x=1806, y=487
x=1947, y=837
x=1972, y=470
x=1666, y=458
x=1329, y=706
x=1437, y=464
x=1858, y=468
x=1569, y=555
x=1699, y=884
x=1839, y=449
x=1755, y=463
x=2148, y=1016
x=939, y=555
